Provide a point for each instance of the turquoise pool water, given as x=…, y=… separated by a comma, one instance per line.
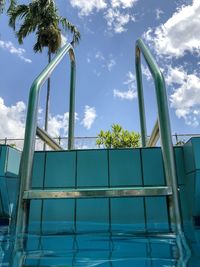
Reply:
x=96, y=249
x=101, y=232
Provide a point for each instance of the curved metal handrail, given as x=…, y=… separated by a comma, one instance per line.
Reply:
x=31, y=126
x=164, y=124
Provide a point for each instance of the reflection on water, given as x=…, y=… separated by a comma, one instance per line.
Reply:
x=100, y=249
x=87, y=250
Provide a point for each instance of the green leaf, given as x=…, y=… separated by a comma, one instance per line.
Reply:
x=118, y=138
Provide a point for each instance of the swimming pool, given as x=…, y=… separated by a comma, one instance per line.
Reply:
x=97, y=249
x=114, y=231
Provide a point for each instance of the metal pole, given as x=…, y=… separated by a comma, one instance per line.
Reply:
x=72, y=106
x=164, y=127
x=47, y=139
x=30, y=137
x=141, y=98
x=47, y=100
x=59, y=140
x=155, y=135
x=176, y=136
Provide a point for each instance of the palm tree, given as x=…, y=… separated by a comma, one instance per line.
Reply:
x=3, y=2
x=42, y=17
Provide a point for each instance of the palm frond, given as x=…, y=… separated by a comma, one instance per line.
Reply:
x=2, y=4
x=76, y=36
x=29, y=25
x=41, y=17
x=69, y=26
x=17, y=12
x=12, y=5
x=37, y=47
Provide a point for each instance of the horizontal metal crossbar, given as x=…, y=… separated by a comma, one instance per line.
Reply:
x=155, y=135
x=98, y=192
x=44, y=136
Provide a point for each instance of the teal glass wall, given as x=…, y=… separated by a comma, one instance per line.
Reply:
x=93, y=169
x=190, y=190
x=103, y=168
x=9, y=169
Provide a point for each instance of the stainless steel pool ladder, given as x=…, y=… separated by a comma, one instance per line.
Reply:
x=162, y=127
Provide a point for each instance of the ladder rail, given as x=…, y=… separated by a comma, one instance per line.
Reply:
x=155, y=135
x=98, y=192
x=163, y=122
x=31, y=128
x=44, y=136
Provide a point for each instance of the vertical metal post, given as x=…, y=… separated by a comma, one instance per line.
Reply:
x=27, y=159
x=47, y=101
x=72, y=106
x=167, y=150
x=141, y=98
x=59, y=140
x=29, y=140
x=176, y=136
x=164, y=127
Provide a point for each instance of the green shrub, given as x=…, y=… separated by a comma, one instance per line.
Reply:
x=118, y=138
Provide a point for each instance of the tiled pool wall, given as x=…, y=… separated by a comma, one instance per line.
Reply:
x=190, y=191
x=104, y=168
x=9, y=169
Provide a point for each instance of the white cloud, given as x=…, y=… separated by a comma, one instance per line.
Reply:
x=118, y=16
x=176, y=37
x=106, y=62
x=99, y=56
x=89, y=117
x=128, y=95
x=116, y=20
x=86, y=7
x=110, y=64
x=146, y=73
x=179, y=34
x=185, y=99
x=176, y=75
x=9, y=46
x=130, y=79
x=58, y=123
x=12, y=120
x=159, y=12
x=123, y=3
x=116, y=12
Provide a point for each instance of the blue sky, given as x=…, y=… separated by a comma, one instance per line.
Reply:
x=106, y=86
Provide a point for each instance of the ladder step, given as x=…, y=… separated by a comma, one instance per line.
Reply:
x=98, y=192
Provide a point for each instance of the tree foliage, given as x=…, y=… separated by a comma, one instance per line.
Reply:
x=3, y=3
x=42, y=17
x=180, y=143
x=118, y=138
